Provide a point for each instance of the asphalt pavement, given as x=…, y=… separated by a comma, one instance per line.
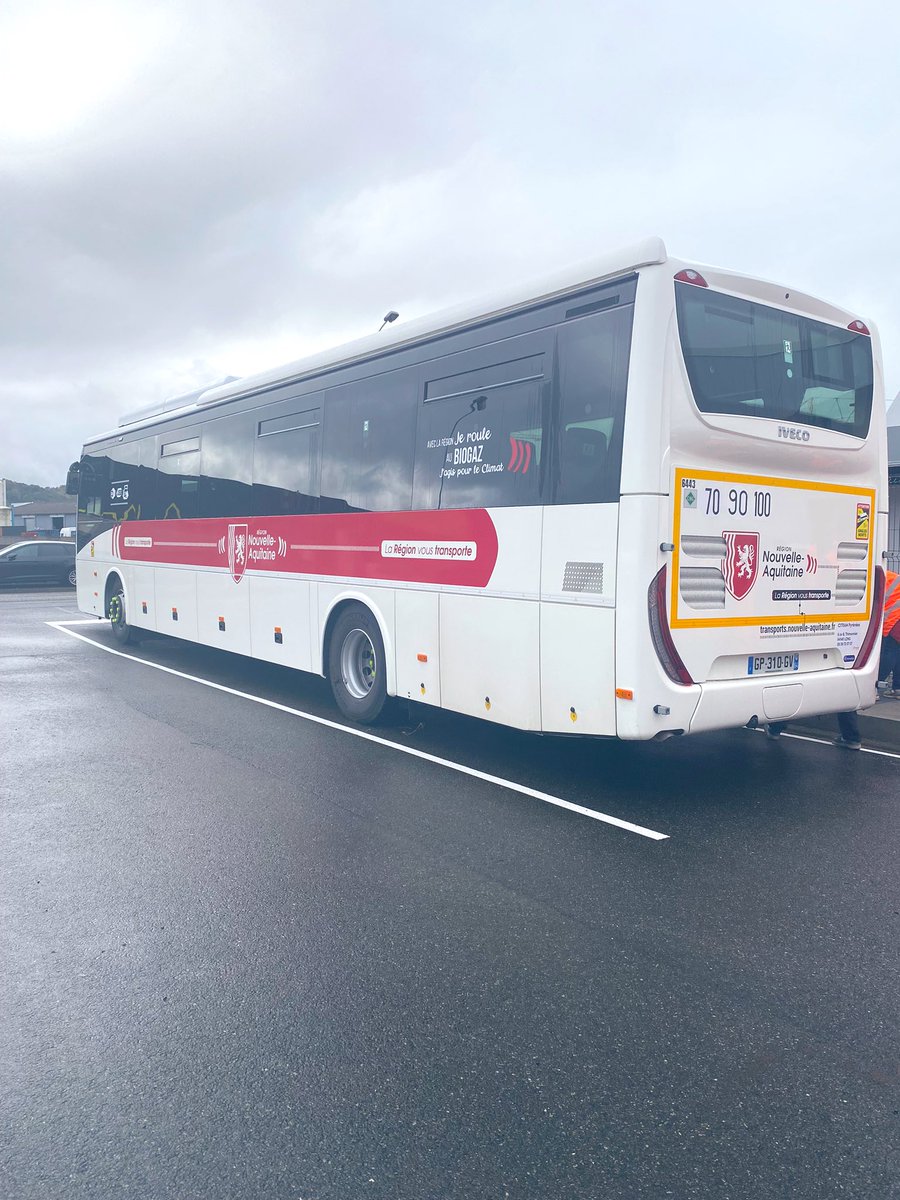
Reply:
x=248, y=953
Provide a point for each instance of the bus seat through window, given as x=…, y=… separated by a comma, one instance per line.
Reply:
x=582, y=466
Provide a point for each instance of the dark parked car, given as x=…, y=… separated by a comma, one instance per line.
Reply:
x=38, y=562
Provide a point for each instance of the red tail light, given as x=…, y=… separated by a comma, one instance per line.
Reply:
x=875, y=622
x=689, y=276
x=660, y=632
x=859, y=327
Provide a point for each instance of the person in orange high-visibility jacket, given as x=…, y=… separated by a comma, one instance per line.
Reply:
x=890, y=635
x=848, y=722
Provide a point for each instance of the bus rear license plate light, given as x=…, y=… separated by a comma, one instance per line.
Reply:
x=773, y=664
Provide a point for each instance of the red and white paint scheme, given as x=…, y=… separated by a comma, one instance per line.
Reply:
x=734, y=574
x=454, y=548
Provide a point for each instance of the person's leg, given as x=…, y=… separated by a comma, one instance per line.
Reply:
x=886, y=659
x=890, y=662
x=848, y=723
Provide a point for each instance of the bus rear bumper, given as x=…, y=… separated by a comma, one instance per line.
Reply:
x=725, y=704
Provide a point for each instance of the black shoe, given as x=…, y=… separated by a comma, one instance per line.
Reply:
x=846, y=744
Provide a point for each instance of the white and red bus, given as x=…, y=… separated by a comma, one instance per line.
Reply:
x=642, y=499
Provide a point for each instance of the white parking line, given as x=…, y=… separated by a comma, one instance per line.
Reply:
x=63, y=627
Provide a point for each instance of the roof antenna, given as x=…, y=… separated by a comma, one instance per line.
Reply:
x=389, y=317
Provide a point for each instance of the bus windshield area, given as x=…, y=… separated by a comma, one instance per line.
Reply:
x=748, y=359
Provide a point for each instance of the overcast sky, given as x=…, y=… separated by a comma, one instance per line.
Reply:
x=196, y=189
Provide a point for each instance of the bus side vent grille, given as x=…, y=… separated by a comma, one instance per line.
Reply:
x=703, y=547
x=852, y=551
x=850, y=588
x=702, y=587
x=583, y=577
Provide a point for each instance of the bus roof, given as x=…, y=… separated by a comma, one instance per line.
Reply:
x=649, y=252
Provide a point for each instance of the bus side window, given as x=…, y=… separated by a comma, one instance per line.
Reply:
x=93, y=485
x=178, y=475
x=480, y=437
x=286, y=461
x=593, y=373
x=122, y=501
x=93, y=490
x=367, y=458
x=226, y=459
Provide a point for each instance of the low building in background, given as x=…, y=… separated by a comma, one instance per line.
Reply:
x=43, y=518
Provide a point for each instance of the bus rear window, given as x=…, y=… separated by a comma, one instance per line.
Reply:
x=747, y=359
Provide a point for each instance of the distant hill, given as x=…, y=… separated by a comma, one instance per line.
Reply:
x=19, y=492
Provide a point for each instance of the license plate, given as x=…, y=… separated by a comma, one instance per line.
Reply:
x=772, y=664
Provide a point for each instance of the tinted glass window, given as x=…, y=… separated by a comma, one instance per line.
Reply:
x=94, y=512
x=367, y=461
x=179, y=446
x=123, y=463
x=748, y=359
x=177, y=478
x=23, y=554
x=481, y=444
x=93, y=484
x=54, y=550
x=226, y=461
x=592, y=366
x=286, y=459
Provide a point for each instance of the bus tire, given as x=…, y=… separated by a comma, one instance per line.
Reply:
x=356, y=665
x=122, y=631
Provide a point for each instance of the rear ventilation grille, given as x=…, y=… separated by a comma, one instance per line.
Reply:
x=850, y=588
x=702, y=587
x=583, y=577
x=852, y=551
x=703, y=547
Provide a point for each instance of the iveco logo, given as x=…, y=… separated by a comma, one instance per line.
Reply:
x=793, y=435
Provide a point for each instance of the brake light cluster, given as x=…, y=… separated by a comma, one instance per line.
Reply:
x=875, y=622
x=668, y=656
x=689, y=276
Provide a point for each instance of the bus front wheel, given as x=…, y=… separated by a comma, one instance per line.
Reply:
x=122, y=631
x=356, y=665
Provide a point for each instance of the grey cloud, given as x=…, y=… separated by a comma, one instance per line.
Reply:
x=283, y=173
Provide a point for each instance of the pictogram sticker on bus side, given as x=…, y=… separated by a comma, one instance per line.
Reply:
x=862, y=522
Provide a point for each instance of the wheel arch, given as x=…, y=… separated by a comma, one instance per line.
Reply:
x=113, y=576
x=338, y=605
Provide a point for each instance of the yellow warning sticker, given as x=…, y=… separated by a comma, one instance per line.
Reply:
x=862, y=522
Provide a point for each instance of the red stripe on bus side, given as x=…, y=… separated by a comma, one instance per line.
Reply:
x=347, y=545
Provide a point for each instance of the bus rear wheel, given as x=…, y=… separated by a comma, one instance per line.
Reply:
x=356, y=665
x=122, y=631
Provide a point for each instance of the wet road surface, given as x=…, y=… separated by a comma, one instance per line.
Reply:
x=245, y=954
